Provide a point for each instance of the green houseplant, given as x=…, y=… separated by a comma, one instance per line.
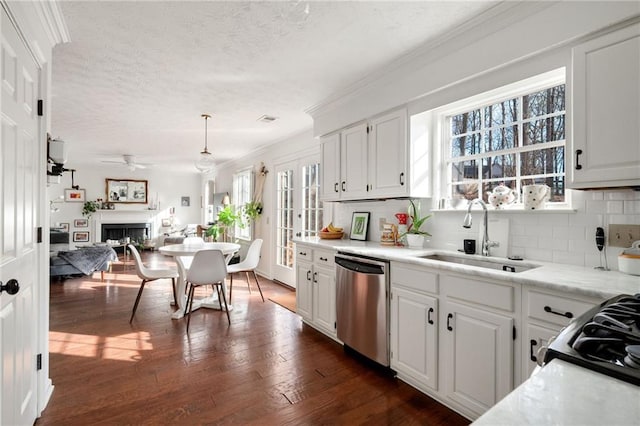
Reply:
x=414, y=235
x=89, y=208
x=227, y=220
x=252, y=210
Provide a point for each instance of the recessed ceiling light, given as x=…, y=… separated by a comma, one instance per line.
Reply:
x=267, y=119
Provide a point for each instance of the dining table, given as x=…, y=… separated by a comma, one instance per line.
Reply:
x=183, y=255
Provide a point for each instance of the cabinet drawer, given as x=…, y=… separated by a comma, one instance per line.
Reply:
x=414, y=278
x=304, y=253
x=324, y=257
x=501, y=296
x=555, y=309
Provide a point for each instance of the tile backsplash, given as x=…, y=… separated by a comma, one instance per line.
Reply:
x=545, y=235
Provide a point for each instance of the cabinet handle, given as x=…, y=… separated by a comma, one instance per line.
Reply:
x=532, y=357
x=302, y=253
x=578, y=154
x=308, y=277
x=429, y=320
x=342, y=185
x=449, y=324
x=335, y=187
x=565, y=314
x=402, y=179
x=315, y=277
x=324, y=259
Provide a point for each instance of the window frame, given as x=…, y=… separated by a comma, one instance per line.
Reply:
x=439, y=121
x=241, y=196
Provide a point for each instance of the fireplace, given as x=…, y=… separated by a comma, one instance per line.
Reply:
x=120, y=231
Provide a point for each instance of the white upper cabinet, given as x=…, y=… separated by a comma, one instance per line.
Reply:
x=370, y=160
x=353, y=162
x=606, y=111
x=388, y=155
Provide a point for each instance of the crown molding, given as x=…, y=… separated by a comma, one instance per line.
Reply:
x=53, y=22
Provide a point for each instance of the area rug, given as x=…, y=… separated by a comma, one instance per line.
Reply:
x=286, y=300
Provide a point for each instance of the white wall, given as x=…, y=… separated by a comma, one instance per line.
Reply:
x=167, y=187
x=289, y=149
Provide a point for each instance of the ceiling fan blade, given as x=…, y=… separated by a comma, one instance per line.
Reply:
x=113, y=162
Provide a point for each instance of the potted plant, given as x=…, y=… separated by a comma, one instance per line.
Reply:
x=252, y=210
x=213, y=232
x=90, y=208
x=228, y=218
x=415, y=237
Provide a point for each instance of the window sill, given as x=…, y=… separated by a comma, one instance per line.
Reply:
x=509, y=211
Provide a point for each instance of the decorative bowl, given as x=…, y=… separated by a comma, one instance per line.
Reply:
x=330, y=235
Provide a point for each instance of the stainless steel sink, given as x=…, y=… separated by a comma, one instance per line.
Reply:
x=482, y=263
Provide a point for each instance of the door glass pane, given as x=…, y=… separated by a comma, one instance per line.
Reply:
x=284, y=213
x=311, y=207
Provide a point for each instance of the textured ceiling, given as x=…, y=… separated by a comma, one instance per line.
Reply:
x=137, y=75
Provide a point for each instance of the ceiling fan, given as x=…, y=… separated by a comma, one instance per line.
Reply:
x=130, y=162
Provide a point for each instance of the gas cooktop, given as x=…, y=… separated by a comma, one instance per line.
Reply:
x=605, y=339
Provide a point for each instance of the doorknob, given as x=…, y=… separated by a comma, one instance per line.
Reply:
x=12, y=287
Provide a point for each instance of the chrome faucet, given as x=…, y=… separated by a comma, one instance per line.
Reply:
x=486, y=244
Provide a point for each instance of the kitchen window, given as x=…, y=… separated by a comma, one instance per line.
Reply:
x=513, y=137
x=242, y=188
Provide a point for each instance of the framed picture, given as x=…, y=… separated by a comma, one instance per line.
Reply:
x=81, y=223
x=359, y=226
x=185, y=201
x=81, y=237
x=64, y=227
x=74, y=195
x=166, y=222
x=126, y=191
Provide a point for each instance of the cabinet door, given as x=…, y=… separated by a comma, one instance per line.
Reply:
x=388, y=155
x=304, y=290
x=535, y=337
x=353, y=162
x=606, y=107
x=477, y=356
x=330, y=163
x=414, y=336
x=324, y=299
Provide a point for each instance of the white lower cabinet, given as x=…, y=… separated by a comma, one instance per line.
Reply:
x=545, y=312
x=316, y=288
x=477, y=356
x=414, y=337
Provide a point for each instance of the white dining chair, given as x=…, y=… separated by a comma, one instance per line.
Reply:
x=208, y=268
x=150, y=274
x=190, y=241
x=249, y=264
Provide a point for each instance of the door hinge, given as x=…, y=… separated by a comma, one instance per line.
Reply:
x=39, y=234
x=335, y=325
x=38, y=362
x=391, y=354
x=514, y=332
x=40, y=107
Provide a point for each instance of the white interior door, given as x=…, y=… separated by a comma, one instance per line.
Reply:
x=286, y=195
x=18, y=248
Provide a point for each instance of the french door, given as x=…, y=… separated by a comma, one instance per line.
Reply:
x=298, y=211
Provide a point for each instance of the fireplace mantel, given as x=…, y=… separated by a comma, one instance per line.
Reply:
x=101, y=217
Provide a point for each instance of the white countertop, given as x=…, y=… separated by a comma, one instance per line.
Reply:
x=565, y=394
x=565, y=278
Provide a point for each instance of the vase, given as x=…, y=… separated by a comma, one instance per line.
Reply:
x=415, y=240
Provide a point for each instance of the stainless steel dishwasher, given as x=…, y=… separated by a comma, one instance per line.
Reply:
x=362, y=308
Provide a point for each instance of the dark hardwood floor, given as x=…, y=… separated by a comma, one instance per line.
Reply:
x=266, y=368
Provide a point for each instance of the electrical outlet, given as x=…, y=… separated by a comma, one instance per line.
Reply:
x=382, y=222
x=623, y=235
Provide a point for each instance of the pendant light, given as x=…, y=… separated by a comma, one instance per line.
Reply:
x=204, y=163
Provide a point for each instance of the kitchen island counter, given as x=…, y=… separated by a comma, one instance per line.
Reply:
x=562, y=393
